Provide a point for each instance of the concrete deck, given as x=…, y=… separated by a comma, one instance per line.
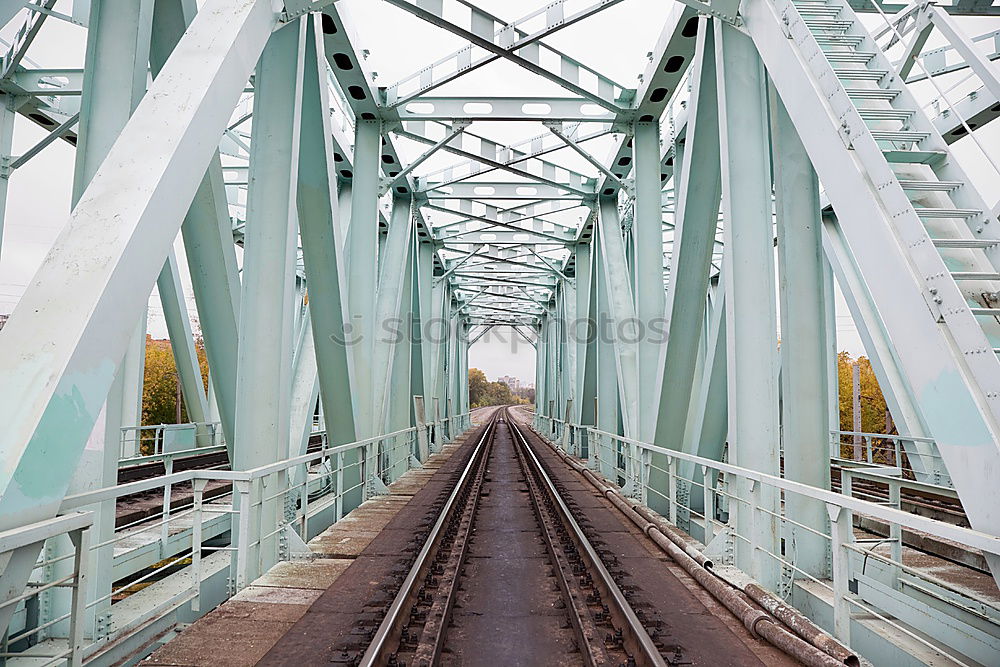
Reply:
x=243, y=629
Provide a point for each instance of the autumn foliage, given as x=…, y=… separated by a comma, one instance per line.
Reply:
x=482, y=392
x=159, y=387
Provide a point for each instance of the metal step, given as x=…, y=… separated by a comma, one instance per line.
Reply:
x=818, y=10
x=840, y=25
x=947, y=212
x=914, y=157
x=899, y=135
x=839, y=40
x=931, y=186
x=859, y=73
x=849, y=56
x=993, y=312
x=888, y=94
x=974, y=275
x=953, y=244
x=886, y=114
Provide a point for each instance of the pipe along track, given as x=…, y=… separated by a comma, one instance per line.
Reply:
x=576, y=613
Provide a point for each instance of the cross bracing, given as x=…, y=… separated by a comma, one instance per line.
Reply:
x=754, y=160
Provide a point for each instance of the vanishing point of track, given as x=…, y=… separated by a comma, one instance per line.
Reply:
x=449, y=607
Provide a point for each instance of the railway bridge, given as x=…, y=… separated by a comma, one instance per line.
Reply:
x=684, y=208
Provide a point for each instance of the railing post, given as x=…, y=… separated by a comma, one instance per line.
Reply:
x=672, y=489
x=840, y=520
x=242, y=490
x=168, y=469
x=81, y=540
x=198, y=486
x=896, y=532
x=339, y=476
x=593, y=450
x=753, y=505
x=304, y=505
x=709, y=502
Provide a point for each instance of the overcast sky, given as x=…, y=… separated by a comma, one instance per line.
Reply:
x=615, y=42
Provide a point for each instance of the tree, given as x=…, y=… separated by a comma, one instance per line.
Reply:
x=477, y=386
x=873, y=406
x=482, y=392
x=159, y=388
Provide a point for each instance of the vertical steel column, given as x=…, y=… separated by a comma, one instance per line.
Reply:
x=418, y=362
x=830, y=328
x=463, y=370
x=542, y=367
x=804, y=348
x=584, y=332
x=750, y=291
x=568, y=299
x=387, y=309
x=423, y=302
x=399, y=402
x=621, y=309
x=264, y=374
x=323, y=258
x=553, y=380
x=439, y=330
x=647, y=235
x=361, y=261
x=608, y=403
x=454, y=361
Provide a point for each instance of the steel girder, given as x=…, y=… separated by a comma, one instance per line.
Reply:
x=322, y=253
x=694, y=236
x=89, y=302
x=805, y=425
x=264, y=375
x=933, y=342
x=751, y=320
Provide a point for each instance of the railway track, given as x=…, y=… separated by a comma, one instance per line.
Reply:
x=924, y=503
x=570, y=608
x=141, y=505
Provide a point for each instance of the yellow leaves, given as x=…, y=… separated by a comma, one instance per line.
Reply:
x=159, y=389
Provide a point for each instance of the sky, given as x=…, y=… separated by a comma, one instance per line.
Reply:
x=616, y=42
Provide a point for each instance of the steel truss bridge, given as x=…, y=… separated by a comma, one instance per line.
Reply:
x=346, y=241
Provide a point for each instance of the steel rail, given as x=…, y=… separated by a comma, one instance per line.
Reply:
x=642, y=642
x=384, y=636
x=593, y=651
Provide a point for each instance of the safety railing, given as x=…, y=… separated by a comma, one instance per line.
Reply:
x=863, y=573
x=247, y=514
x=916, y=458
x=31, y=538
x=572, y=438
x=139, y=441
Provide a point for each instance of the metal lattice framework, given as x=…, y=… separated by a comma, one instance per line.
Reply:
x=322, y=215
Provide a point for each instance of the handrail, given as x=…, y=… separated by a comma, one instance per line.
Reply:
x=965, y=536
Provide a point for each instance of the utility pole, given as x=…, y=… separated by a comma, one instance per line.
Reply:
x=856, y=408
